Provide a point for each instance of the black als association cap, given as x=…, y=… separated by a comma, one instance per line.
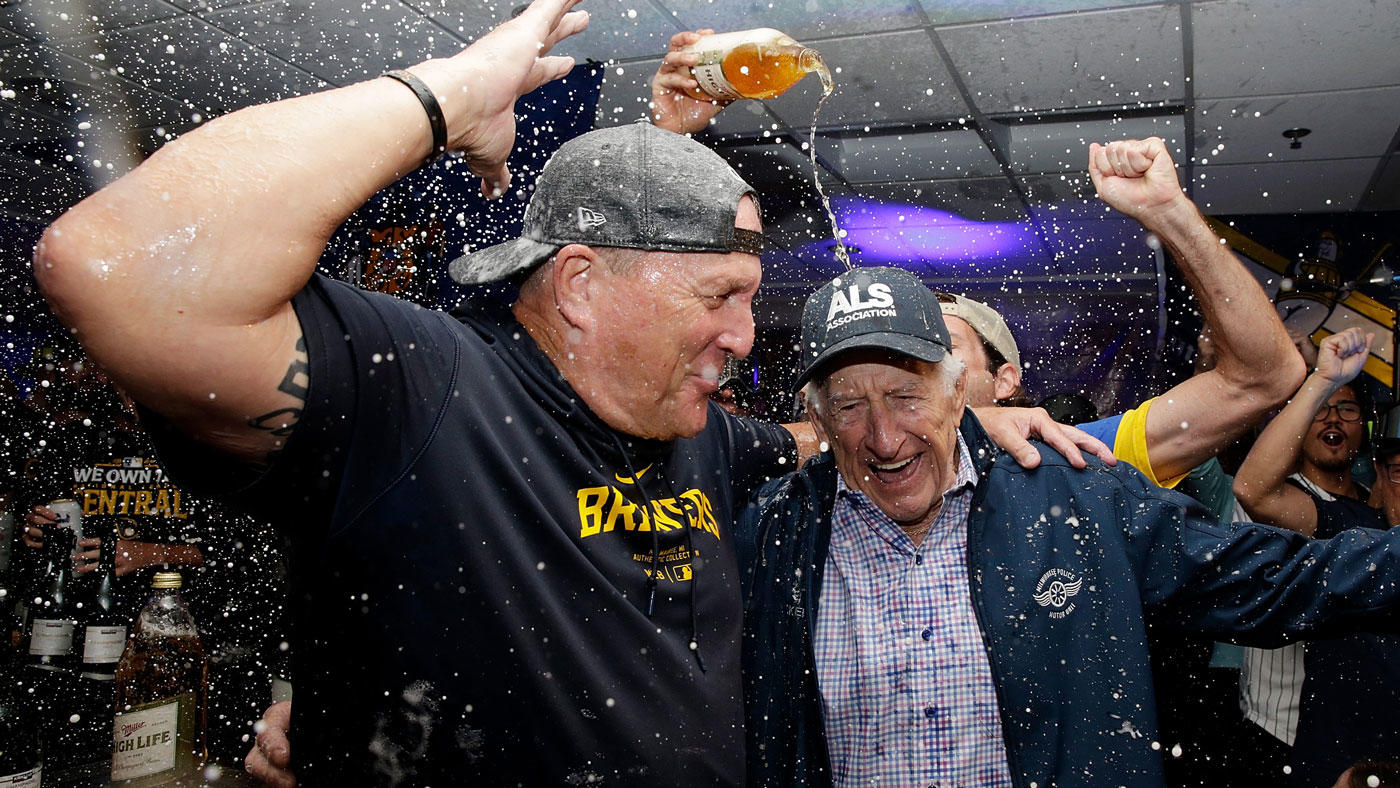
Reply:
x=883, y=308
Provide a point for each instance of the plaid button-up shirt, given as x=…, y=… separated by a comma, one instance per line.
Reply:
x=907, y=690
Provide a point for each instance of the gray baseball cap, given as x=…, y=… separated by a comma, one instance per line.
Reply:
x=633, y=186
x=881, y=308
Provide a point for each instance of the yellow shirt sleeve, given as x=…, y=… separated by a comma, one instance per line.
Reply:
x=1130, y=444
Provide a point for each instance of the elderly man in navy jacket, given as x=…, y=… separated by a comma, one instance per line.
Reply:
x=921, y=610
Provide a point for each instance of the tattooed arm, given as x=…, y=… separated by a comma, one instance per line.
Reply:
x=278, y=423
x=178, y=277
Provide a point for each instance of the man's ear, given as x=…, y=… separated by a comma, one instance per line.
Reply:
x=816, y=422
x=1006, y=381
x=575, y=267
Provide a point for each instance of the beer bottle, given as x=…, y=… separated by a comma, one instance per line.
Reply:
x=102, y=636
x=52, y=611
x=21, y=765
x=158, y=733
x=756, y=64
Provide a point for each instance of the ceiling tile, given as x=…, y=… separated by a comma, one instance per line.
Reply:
x=9, y=37
x=1068, y=194
x=874, y=84
x=1092, y=59
x=915, y=156
x=1386, y=196
x=1351, y=123
x=625, y=94
x=1064, y=146
x=804, y=21
x=975, y=199
x=1268, y=47
x=1283, y=187
x=55, y=85
x=18, y=127
x=617, y=29
x=204, y=6
x=947, y=12
x=187, y=58
x=44, y=20
x=38, y=192
x=337, y=46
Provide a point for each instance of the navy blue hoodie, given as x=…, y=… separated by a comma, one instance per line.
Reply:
x=472, y=547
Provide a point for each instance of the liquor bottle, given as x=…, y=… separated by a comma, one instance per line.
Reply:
x=102, y=636
x=52, y=609
x=158, y=733
x=757, y=64
x=21, y=764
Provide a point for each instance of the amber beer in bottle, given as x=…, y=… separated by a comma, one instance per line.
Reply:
x=158, y=733
x=754, y=64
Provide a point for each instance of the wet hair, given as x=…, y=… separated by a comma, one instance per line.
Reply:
x=618, y=259
x=1020, y=398
x=1362, y=397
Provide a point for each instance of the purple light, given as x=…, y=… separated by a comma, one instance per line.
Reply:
x=902, y=234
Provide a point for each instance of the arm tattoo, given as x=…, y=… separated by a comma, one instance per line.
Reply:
x=280, y=422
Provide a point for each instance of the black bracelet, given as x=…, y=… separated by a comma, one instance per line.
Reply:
x=430, y=106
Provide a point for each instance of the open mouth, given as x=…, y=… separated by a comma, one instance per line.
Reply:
x=892, y=472
x=1332, y=438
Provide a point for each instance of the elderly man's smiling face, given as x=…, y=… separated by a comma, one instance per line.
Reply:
x=891, y=421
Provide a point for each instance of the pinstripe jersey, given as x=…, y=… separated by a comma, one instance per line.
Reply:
x=1271, y=679
x=907, y=691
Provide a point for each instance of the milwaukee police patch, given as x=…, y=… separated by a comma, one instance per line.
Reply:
x=1055, y=590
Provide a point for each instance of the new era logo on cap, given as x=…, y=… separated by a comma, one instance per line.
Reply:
x=589, y=218
x=873, y=309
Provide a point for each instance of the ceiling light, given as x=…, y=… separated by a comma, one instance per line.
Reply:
x=1296, y=135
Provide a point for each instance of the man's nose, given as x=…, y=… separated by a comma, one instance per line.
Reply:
x=737, y=339
x=885, y=436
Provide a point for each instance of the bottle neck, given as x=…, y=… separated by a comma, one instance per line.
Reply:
x=59, y=544
x=107, y=573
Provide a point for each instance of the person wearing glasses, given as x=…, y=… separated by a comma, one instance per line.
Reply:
x=1298, y=476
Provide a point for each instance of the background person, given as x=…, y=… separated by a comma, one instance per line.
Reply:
x=1299, y=476
x=1256, y=366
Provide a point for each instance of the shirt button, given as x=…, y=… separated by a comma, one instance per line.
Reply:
x=926, y=634
x=928, y=712
x=919, y=558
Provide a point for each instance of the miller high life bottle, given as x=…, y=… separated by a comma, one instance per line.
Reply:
x=158, y=733
x=756, y=64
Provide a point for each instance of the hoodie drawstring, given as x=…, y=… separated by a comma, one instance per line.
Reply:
x=651, y=514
